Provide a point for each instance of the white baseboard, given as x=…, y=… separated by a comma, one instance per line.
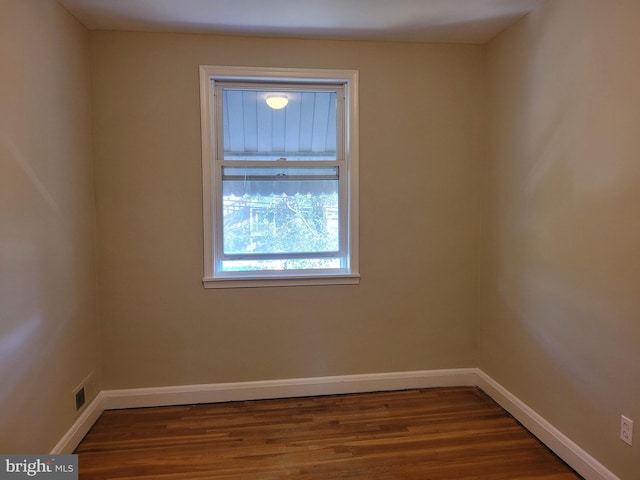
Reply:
x=80, y=428
x=298, y=387
x=560, y=444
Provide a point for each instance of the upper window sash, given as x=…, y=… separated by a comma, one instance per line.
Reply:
x=310, y=129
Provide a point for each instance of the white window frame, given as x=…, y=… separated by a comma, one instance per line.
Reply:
x=212, y=168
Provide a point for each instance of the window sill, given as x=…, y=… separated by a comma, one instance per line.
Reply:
x=283, y=281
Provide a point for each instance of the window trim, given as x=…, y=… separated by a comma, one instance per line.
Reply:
x=210, y=74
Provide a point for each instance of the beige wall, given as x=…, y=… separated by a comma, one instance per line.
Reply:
x=560, y=280
x=416, y=307
x=48, y=329
x=560, y=185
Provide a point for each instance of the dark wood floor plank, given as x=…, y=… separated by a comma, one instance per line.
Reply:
x=431, y=434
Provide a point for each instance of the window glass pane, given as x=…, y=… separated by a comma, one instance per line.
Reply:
x=280, y=264
x=304, y=129
x=287, y=216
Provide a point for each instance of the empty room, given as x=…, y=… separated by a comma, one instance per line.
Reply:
x=320, y=239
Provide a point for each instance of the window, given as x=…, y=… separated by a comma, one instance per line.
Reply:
x=280, y=176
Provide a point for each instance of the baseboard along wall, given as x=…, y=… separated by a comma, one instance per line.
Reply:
x=561, y=445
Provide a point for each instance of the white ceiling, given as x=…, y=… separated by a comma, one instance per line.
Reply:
x=452, y=21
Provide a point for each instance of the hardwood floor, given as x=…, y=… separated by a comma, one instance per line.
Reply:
x=431, y=434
